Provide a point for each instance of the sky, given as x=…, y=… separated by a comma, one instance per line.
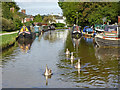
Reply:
x=42, y=7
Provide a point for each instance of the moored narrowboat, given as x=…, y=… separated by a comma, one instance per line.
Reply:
x=88, y=31
x=109, y=38
x=76, y=32
x=25, y=33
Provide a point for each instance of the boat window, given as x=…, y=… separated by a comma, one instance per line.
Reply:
x=111, y=28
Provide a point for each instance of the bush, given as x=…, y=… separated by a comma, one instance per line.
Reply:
x=60, y=24
x=7, y=25
x=18, y=24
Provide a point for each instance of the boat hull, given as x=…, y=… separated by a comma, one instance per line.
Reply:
x=25, y=36
x=76, y=35
x=102, y=42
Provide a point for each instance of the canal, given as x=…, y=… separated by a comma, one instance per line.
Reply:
x=23, y=65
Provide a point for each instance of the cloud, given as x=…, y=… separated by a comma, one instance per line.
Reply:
x=33, y=8
x=36, y=0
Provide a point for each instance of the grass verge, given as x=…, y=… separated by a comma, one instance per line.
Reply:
x=7, y=40
x=61, y=27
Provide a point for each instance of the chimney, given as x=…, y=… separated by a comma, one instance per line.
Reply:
x=12, y=9
x=23, y=11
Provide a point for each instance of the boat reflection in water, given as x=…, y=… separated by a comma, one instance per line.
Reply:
x=76, y=42
x=107, y=53
x=89, y=39
x=25, y=45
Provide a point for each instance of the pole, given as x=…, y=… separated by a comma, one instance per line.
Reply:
x=77, y=18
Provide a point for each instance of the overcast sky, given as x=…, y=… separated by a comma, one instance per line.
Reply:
x=42, y=7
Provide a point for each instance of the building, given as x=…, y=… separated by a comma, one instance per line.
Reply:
x=23, y=11
x=27, y=19
x=59, y=19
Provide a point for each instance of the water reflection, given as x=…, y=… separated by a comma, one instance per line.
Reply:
x=25, y=45
x=55, y=36
x=76, y=43
x=97, y=69
x=93, y=72
x=47, y=77
x=88, y=39
x=107, y=53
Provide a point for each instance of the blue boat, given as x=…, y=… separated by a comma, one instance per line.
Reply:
x=88, y=31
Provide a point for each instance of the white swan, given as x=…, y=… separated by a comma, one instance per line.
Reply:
x=67, y=52
x=47, y=71
x=78, y=64
x=72, y=57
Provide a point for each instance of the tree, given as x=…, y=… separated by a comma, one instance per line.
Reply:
x=7, y=25
x=48, y=19
x=37, y=18
x=89, y=12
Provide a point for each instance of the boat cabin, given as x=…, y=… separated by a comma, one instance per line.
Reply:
x=76, y=29
x=112, y=31
x=88, y=29
x=99, y=28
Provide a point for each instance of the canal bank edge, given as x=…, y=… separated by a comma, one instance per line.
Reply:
x=7, y=40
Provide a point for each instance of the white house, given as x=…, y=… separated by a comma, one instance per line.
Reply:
x=59, y=19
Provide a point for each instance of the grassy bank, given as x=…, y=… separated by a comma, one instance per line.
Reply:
x=61, y=27
x=7, y=40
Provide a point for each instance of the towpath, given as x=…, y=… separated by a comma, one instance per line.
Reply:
x=8, y=33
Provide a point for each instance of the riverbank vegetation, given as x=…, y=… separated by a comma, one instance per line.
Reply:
x=7, y=40
x=90, y=13
x=11, y=19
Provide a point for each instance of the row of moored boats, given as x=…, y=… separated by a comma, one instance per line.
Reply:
x=105, y=35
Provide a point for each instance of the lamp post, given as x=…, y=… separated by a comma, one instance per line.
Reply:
x=77, y=18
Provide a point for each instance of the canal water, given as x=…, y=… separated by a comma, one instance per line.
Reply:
x=24, y=64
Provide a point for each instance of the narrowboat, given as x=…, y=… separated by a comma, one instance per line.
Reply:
x=87, y=31
x=51, y=27
x=109, y=38
x=45, y=28
x=76, y=32
x=25, y=34
x=99, y=28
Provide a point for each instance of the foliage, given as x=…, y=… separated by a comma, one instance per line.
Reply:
x=18, y=24
x=11, y=21
x=28, y=23
x=6, y=9
x=89, y=12
x=60, y=25
x=48, y=19
x=37, y=18
x=7, y=25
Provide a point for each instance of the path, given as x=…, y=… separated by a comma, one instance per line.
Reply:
x=8, y=33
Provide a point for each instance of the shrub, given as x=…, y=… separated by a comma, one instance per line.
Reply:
x=60, y=24
x=7, y=25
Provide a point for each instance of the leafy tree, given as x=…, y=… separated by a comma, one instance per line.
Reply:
x=89, y=12
x=48, y=19
x=7, y=25
x=37, y=18
x=18, y=24
x=11, y=21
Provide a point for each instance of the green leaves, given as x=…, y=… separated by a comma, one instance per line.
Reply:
x=89, y=12
x=38, y=18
